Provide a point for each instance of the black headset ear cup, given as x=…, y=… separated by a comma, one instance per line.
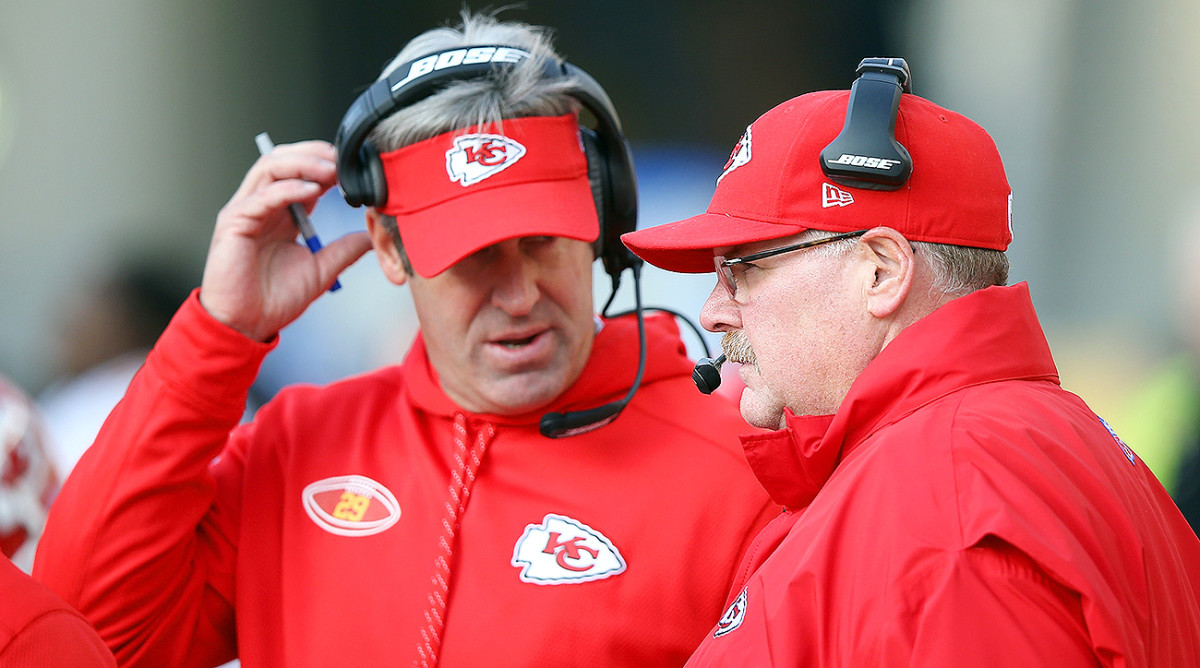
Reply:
x=597, y=167
x=375, y=191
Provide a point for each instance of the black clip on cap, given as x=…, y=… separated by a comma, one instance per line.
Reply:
x=866, y=153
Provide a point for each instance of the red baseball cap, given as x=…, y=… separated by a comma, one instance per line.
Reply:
x=465, y=190
x=773, y=186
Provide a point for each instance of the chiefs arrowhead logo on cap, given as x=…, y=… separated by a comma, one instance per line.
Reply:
x=351, y=505
x=562, y=550
x=475, y=157
x=739, y=156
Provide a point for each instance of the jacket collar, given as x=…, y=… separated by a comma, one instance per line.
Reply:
x=983, y=337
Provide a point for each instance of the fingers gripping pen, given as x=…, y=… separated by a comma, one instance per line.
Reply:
x=299, y=215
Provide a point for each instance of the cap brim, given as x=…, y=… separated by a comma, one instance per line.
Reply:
x=439, y=236
x=686, y=246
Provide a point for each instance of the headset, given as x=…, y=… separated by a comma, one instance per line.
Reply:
x=610, y=172
x=865, y=154
x=610, y=162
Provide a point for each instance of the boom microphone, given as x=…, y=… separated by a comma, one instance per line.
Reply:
x=707, y=374
x=572, y=423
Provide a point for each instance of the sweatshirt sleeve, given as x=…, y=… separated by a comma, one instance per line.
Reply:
x=135, y=541
x=57, y=638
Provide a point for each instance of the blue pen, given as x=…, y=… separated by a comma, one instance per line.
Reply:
x=299, y=215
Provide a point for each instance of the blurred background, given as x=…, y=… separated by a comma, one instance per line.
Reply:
x=126, y=125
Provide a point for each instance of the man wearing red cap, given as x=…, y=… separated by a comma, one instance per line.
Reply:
x=415, y=515
x=947, y=502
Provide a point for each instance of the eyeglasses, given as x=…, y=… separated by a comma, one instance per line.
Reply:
x=725, y=266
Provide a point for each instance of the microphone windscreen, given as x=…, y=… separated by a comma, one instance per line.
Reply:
x=561, y=425
x=707, y=374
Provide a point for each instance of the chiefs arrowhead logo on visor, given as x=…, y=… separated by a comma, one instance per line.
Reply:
x=562, y=550
x=739, y=156
x=351, y=505
x=475, y=157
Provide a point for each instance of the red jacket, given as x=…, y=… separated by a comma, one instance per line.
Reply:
x=38, y=630
x=311, y=540
x=962, y=509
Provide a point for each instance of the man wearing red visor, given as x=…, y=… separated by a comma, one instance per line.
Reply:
x=415, y=515
x=947, y=502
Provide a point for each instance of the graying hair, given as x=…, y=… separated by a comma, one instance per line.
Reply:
x=957, y=270
x=512, y=93
x=961, y=270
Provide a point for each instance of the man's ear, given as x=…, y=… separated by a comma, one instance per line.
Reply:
x=891, y=256
x=385, y=248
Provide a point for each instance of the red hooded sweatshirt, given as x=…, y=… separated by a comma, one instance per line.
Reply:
x=312, y=539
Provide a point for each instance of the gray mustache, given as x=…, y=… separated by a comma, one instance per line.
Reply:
x=737, y=348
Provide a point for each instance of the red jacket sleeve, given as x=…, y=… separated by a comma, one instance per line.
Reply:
x=993, y=606
x=57, y=638
x=133, y=541
x=38, y=629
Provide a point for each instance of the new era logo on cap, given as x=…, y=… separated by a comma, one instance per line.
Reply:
x=475, y=157
x=832, y=195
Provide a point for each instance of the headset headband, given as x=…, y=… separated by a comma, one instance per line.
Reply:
x=360, y=174
x=866, y=154
x=407, y=84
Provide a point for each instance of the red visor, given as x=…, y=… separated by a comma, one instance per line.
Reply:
x=467, y=189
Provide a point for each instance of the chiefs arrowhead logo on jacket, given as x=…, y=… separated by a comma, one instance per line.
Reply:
x=563, y=550
x=733, y=617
